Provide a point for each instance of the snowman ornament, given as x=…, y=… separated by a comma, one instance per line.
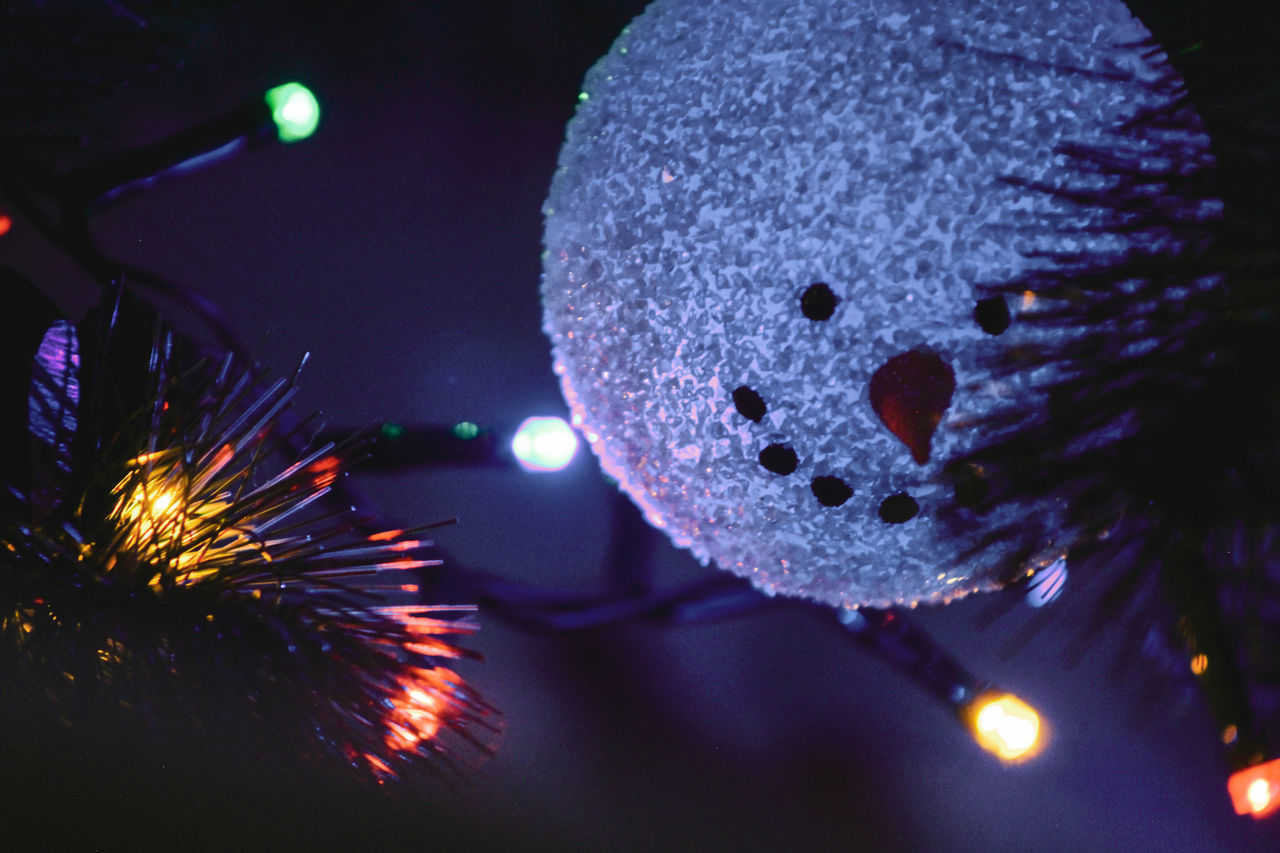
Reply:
x=772, y=247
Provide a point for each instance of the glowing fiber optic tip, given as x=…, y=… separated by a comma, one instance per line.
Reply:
x=1005, y=725
x=544, y=444
x=294, y=110
x=1255, y=790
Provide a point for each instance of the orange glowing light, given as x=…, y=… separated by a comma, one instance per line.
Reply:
x=378, y=764
x=1199, y=664
x=419, y=708
x=5, y=224
x=432, y=648
x=422, y=626
x=153, y=512
x=326, y=471
x=164, y=517
x=147, y=458
x=405, y=564
x=1005, y=725
x=1256, y=790
x=220, y=460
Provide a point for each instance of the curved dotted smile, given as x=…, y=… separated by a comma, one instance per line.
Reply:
x=909, y=393
x=768, y=243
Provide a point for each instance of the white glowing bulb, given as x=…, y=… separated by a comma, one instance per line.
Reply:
x=544, y=444
x=1259, y=794
x=160, y=504
x=989, y=719
x=1018, y=734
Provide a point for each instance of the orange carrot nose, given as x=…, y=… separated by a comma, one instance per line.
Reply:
x=910, y=392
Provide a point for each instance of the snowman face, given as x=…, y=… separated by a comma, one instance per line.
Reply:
x=769, y=250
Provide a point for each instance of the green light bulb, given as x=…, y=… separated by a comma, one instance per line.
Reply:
x=466, y=430
x=294, y=110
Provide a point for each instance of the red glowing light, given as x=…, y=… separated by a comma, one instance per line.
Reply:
x=5, y=224
x=378, y=764
x=1256, y=790
x=326, y=470
x=409, y=587
x=405, y=564
x=432, y=648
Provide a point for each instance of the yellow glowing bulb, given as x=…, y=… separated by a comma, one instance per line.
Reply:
x=152, y=511
x=1199, y=664
x=161, y=503
x=1005, y=725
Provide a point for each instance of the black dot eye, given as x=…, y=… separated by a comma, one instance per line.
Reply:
x=749, y=404
x=830, y=491
x=992, y=315
x=778, y=458
x=818, y=302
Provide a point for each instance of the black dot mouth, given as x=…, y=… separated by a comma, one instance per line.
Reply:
x=899, y=508
x=909, y=394
x=830, y=491
x=779, y=458
x=749, y=403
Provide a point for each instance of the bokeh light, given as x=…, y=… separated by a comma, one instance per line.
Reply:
x=295, y=111
x=1254, y=789
x=466, y=430
x=544, y=444
x=1006, y=726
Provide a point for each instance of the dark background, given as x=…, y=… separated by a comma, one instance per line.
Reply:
x=400, y=247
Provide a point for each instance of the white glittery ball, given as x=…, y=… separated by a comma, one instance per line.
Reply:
x=766, y=246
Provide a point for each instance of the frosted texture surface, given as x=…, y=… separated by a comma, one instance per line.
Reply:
x=725, y=157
